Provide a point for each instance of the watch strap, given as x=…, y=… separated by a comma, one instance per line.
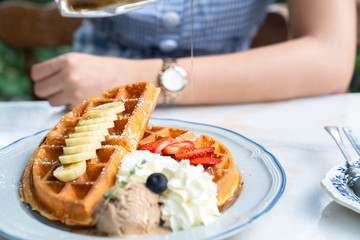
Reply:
x=172, y=98
x=169, y=63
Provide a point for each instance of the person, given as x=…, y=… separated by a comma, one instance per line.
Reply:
x=318, y=59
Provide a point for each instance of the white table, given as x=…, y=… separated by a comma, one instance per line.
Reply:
x=290, y=130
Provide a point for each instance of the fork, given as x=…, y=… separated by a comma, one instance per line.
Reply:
x=353, y=140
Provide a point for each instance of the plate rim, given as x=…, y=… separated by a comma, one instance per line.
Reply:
x=23, y=138
x=221, y=235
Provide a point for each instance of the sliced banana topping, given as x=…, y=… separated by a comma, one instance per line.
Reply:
x=82, y=145
x=90, y=121
x=105, y=106
x=66, y=173
x=71, y=142
x=94, y=127
x=81, y=148
x=105, y=110
x=102, y=132
x=77, y=157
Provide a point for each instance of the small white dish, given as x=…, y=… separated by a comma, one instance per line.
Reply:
x=264, y=183
x=335, y=185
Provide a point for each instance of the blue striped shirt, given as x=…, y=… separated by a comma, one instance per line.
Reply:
x=163, y=29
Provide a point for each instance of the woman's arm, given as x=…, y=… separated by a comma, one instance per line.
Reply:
x=318, y=60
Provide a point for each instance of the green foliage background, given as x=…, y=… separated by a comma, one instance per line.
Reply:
x=15, y=85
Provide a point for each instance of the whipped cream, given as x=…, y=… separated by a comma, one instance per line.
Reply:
x=144, y=163
x=190, y=197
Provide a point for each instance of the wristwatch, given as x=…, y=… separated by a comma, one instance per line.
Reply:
x=172, y=80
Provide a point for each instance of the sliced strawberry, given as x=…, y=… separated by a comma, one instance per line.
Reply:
x=178, y=147
x=195, y=153
x=205, y=160
x=157, y=146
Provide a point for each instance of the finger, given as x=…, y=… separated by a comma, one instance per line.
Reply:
x=59, y=99
x=49, y=86
x=65, y=97
x=46, y=69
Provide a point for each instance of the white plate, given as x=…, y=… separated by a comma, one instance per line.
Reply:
x=336, y=187
x=264, y=183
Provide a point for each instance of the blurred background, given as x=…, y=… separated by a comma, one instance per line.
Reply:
x=32, y=31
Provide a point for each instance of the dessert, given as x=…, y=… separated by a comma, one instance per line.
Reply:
x=73, y=202
x=165, y=178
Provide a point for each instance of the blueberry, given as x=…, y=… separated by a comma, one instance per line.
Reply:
x=157, y=182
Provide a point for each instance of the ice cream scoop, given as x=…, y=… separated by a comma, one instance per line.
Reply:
x=134, y=210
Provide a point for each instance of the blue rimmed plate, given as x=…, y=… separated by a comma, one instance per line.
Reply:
x=335, y=185
x=264, y=183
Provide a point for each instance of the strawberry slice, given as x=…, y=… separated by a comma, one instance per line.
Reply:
x=157, y=146
x=178, y=147
x=205, y=160
x=195, y=153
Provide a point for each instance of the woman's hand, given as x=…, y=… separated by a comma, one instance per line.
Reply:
x=71, y=78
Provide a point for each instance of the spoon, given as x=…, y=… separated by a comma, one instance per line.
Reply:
x=352, y=173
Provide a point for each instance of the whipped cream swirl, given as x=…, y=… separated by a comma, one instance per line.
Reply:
x=190, y=198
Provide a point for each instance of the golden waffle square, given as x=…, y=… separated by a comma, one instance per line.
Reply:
x=73, y=202
x=155, y=133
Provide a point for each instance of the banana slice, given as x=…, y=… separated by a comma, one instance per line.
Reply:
x=110, y=105
x=69, y=172
x=77, y=157
x=94, y=127
x=90, y=121
x=82, y=148
x=102, y=113
x=71, y=142
x=102, y=132
x=106, y=110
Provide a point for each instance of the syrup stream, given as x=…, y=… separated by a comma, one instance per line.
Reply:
x=192, y=51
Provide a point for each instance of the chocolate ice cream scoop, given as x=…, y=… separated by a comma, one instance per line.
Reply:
x=134, y=210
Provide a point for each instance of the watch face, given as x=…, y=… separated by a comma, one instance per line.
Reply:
x=173, y=79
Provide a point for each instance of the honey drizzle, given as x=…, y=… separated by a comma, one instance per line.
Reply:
x=192, y=51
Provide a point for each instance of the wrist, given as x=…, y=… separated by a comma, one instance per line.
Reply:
x=148, y=70
x=172, y=80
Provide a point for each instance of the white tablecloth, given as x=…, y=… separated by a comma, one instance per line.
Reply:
x=290, y=130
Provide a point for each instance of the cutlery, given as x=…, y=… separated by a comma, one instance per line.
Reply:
x=353, y=140
x=352, y=173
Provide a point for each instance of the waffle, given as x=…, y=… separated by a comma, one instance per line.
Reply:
x=156, y=133
x=73, y=202
x=226, y=175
